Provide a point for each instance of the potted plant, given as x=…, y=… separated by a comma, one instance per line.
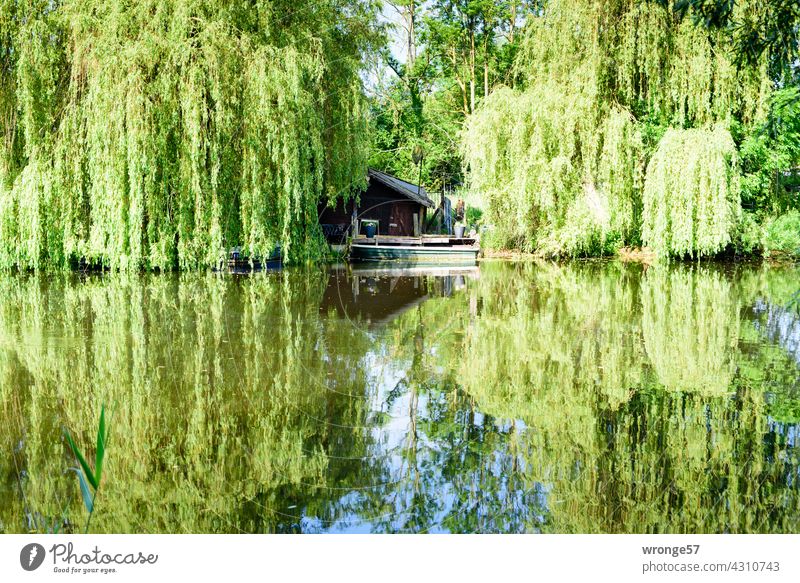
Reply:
x=370, y=227
x=459, y=230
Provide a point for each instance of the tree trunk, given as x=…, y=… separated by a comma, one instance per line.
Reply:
x=412, y=41
x=472, y=68
x=485, y=62
x=461, y=84
x=512, y=21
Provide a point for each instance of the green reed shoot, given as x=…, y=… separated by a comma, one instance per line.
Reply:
x=90, y=480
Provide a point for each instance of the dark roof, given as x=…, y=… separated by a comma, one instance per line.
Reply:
x=407, y=189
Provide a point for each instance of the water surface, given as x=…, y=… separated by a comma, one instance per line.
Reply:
x=590, y=397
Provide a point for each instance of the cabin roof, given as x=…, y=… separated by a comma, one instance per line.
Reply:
x=407, y=189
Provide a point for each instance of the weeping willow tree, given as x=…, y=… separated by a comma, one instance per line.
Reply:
x=562, y=163
x=159, y=134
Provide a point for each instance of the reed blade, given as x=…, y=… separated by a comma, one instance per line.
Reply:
x=85, y=493
x=101, y=446
x=86, y=469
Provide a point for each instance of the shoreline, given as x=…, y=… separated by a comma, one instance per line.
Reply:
x=642, y=256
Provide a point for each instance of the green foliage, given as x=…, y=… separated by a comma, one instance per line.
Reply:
x=555, y=178
x=691, y=193
x=748, y=236
x=473, y=215
x=397, y=129
x=87, y=471
x=462, y=50
x=160, y=134
x=771, y=156
x=783, y=235
x=770, y=27
x=561, y=161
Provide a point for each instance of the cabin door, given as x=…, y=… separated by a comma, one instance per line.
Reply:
x=401, y=219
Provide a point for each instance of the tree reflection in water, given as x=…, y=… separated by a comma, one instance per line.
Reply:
x=591, y=397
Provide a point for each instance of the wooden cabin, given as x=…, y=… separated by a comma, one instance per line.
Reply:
x=400, y=208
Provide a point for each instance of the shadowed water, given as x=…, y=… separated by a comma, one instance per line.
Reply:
x=590, y=397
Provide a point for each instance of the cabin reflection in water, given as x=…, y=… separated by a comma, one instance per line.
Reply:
x=378, y=296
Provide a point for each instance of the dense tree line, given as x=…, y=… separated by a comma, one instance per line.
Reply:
x=161, y=134
x=635, y=125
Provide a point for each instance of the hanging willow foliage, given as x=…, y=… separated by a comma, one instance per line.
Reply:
x=691, y=193
x=561, y=162
x=161, y=133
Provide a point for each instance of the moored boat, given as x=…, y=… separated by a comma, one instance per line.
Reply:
x=425, y=250
x=237, y=264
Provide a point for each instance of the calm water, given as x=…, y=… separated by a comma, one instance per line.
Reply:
x=592, y=397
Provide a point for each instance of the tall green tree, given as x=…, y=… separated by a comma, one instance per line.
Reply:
x=769, y=27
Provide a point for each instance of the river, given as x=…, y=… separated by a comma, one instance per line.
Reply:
x=514, y=397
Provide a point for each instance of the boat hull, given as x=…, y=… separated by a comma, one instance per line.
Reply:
x=407, y=254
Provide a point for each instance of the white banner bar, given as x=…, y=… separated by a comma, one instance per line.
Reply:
x=401, y=558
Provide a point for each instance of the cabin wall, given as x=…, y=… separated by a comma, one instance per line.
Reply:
x=394, y=213
x=395, y=216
